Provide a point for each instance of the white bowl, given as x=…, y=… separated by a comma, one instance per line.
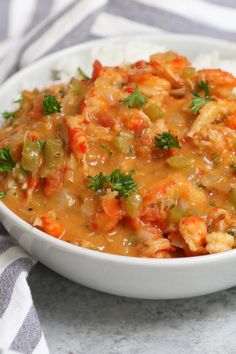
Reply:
x=127, y=276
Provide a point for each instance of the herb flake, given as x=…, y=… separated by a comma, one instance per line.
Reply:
x=107, y=148
x=135, y=99
x=2, y=194
x=19, y=100
x=204, y=86
x=117, y=181
x=122, y=182
x=6, y=159
x=198, y=102
x=166, y=141
x=51, y=105
x=97, y=182
x=82, y=74
x=8, y=115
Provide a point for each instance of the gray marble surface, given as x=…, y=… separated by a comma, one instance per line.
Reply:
x=76, y=319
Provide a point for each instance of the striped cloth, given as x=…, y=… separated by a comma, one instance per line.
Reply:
x=31, y=29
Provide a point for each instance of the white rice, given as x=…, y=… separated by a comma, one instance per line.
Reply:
x=117, y=54
x=213, y=60
x=131, y=52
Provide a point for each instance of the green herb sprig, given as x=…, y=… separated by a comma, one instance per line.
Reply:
x=2, y=194
x=97, y=182
x=204, y=86
x=6, y=159
x=166, y=141
x=82, y=74
x=199, y=101
x=51, y=105
x=19, y=100
x=135, y=99
x=118, y=181
x=8, y=115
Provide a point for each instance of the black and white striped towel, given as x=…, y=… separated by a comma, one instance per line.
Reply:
x=30, y=29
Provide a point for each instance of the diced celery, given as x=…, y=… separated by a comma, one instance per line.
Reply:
x=132, y=204
x=176, y=214
x=124, y=142
x=54, y=153
x=210, y=179
x=77, y=87
x=179, y=161
x=74, y=97
x=31, y=157
x=153, y=111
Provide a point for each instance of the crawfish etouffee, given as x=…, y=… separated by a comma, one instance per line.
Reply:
x=138, y=160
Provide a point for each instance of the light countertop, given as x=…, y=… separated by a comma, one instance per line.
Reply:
x=79, y=320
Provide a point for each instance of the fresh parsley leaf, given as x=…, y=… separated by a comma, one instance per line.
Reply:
x=41, y=143
x=82, y=74
x=198, y=102
x=135, y=99
x=166, y=141
x=51, y=105
x=107, y=148
x=233, y=166
x=204, y=86
x=122, y=182
x=8, y=115
x=20, y=100
x=6, y=159
x=2, y=195
x=118, y=181
x=97, y=182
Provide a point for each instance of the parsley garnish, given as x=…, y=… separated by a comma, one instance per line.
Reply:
x=118, y=181
x=166, y=141
x=199, y=101
x=82, y=74
x=203, y=85
x=8, y=115
x=233, y=166
x=122, y=183
x=107, y=148
x=51, y=105
x=41, y=143
x=20, y=100
x=97, y=182
x=135, y=99
x=2, y=195
x=6, y=159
